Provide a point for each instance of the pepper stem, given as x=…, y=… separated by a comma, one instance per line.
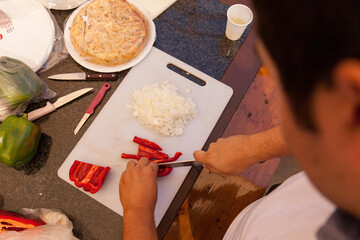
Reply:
x=24, y=116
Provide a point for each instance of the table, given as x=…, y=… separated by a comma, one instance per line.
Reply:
x=37, y=185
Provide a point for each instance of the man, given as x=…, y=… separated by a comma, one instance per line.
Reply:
x=312, y=49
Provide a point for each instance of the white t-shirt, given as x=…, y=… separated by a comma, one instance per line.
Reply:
x=295, y=210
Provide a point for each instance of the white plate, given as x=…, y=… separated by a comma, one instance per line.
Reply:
x=62, y=4
x=117, y=68
x=27, y=32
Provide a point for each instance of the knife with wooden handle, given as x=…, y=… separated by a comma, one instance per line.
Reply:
x=83, y=76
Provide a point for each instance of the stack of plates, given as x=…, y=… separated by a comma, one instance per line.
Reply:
x=62, y=4
x=27, y=32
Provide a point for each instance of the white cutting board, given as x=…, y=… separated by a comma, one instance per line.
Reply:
x=112, y=131
x=156, y=7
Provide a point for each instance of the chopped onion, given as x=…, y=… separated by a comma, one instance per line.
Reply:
x=161, y=109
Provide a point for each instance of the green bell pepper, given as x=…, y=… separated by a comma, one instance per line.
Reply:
x=19, y=140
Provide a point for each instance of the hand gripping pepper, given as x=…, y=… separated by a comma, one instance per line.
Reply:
x=19, y=140
x=13, y=222
x=88, y=176
x=166, y=171
x=149, y=150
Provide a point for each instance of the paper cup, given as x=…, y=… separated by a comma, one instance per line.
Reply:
x=239, y=17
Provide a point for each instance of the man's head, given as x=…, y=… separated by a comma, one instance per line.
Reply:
x=312, y=47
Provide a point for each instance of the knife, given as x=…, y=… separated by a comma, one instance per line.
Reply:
x=185, y=163
x=92, y=106
x=50, y=107
x=84, y=76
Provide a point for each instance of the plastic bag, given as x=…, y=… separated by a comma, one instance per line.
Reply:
x=59, y=52
x=19, y=86
x=58, y=227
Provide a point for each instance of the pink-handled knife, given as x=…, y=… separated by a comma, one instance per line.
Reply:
x=93, y=105
x=50, y=107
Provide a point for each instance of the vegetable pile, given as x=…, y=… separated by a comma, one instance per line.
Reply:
x=88, y=176
x=152, y=151
x=161, y=109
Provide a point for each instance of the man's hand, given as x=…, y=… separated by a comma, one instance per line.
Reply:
x=138, y=187
x=138, y=194
x=233, y=155
x=228, y=156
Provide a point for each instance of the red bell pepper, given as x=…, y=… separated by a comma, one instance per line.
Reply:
x=147, y=143
x=175, y=157
x=149, y=150
x=88, y=176
x=143, y=151
x=13, y=222
x=133, y=156
x=164, y=172
x=161, y=172
x=130, y=156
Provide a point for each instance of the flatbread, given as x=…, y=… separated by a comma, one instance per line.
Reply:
x=109, y=32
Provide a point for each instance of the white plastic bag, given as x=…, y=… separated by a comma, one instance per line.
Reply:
x=58, y=227
x=19, y=86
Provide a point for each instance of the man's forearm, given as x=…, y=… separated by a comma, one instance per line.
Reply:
x=139, y=224
x=269, y=144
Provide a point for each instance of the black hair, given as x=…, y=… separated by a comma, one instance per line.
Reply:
x=306, y=39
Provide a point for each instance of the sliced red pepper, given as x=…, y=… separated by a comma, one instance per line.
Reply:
x=147, y=143
x=154, y=153
x=161, y=172
x=149, y=150
x=96, y=179
x=13, y=222
x=130, y=156
x=133, y=156
x=175, y=157
x=145, y=154
x=88, y=176
x=164, y=172
x=161, y=160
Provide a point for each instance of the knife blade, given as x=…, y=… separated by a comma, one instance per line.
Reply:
x=97, y=100
x=83, y=76
x=50, y=107
x=185, y=163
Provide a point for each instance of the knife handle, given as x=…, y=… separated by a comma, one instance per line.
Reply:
x=97, y=100
x=41, y=111
x=102, y=76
